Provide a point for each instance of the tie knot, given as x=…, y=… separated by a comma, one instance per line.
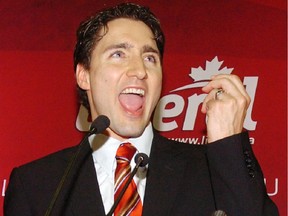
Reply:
x=125, y=152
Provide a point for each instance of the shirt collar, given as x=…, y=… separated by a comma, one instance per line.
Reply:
x=104, y=147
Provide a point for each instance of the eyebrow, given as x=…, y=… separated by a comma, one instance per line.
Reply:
x=145, y=49
x=119, y=46
x=148, y=48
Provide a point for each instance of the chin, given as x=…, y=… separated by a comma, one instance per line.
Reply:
x=130, y=131
x=127, y=128
x=133, y=132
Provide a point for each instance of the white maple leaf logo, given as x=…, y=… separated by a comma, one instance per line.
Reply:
x=212, y=68
x=199, y=74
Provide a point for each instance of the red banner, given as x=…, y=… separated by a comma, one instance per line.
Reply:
x=39, y=107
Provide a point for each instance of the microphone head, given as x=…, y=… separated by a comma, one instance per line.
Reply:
x=99, y=124
x=143, y=158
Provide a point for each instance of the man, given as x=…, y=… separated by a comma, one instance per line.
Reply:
x=118, y=65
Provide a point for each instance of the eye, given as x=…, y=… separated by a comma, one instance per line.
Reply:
x=151, y=58
x=117, y=54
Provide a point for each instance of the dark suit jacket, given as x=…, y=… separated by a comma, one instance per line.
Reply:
x=182, y=179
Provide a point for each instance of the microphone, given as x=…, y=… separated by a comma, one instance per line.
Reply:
x=219, y=213
x=100, y=124
x=141, y=160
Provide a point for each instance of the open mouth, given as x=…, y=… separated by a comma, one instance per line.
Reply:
x=132, y=99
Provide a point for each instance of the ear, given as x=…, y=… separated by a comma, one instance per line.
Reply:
x=82, y=77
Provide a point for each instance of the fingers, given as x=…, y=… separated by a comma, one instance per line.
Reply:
x=215, y=99
x=225, y=106
x=236, y=81
x=230, y=84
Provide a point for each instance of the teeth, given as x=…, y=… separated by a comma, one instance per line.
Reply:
x=134, y=91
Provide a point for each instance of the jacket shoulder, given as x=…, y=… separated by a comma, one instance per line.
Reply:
x=54, y=159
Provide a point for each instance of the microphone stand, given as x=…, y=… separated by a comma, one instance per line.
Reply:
x=97, y=126
x=140, y=162
x=65, y=175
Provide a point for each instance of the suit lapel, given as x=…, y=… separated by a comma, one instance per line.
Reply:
x=85, y=196
x=165, y=168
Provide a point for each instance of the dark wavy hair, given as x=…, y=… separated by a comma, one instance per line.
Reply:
x=88, y=34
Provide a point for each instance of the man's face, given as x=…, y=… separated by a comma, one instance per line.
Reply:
x=125, y=77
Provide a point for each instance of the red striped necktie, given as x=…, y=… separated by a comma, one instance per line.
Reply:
x=130, y=204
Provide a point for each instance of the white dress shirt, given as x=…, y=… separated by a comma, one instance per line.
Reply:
x=104, y=151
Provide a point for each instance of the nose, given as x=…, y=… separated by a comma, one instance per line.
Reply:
x=137, y=69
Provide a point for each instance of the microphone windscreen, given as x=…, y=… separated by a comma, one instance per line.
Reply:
x=144, y=159
x=100, y=124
